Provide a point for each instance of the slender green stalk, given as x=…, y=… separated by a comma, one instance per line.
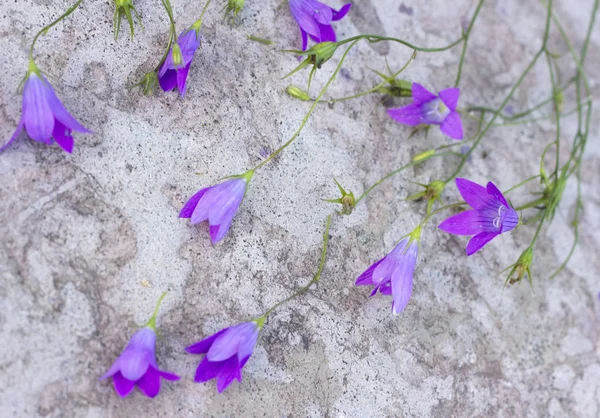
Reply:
x=310, y=111
x=45, y=29
x=508, y=97
x=466, y=36
x=315, y=278
x=404, y=167
x=378, y=38
x=521, y=183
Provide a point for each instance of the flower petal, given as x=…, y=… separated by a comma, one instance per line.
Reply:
x=149, y=384
x=188, y=41
x=229, y=370
x=493, y=190
x=421, y=95
x=327, y=33
x=464, y=223
x=402, y=278
x=510, y=220
x=168, y=376
x=304, y=19
x=14, y=136
x=366, y=278
x=337, y=15
x=123, y=386
x=168, y=80
x=63, y=136
x=226, y=201
x=452, y=126
x=167, y=64
x=408, y=115
x=218, y=232
x=304, y=39
x=236, y=338
x=37, y=113
x=476, y=195
x=478, y=241
x=450, y=97
x=207, y=370
x=182, y=74
x=190, y=205
x=203, y=346
x=61, y=114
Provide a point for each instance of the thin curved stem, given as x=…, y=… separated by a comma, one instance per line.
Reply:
x=45, y=29
x=466, y=36
x=310, y=111
x=377, y=38
x=315, y=278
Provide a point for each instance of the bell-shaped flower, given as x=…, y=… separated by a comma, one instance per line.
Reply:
x=491, y=215
x=227, y=352
x=174, y=70
x=393, y=274
x=314, y=18
x=137, y=363
x=429, y=109
x=44, y=117
x=218, y=204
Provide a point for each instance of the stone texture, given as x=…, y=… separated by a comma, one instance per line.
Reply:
x=90, y=240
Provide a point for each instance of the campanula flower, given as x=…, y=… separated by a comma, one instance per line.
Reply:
x=137, y=363
x=393, y=274
x=491, y=215
x=218, y=204
x=44, y=117
x=429, y=109
x=314, y=18
x=227, y=352
x=174, y=70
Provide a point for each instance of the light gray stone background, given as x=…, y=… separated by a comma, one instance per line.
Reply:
x=90, y=240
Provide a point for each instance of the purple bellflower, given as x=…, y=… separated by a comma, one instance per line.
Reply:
x=393, y=274
x=491, y=215
x=137, y=363
x=314, y=19
x=429, y=109
x=218, y=204
x=44, y=117
x=227, y=352
x=174, y=70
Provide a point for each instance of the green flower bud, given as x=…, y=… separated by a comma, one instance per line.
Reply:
x=297, y=92
x=347, y=200
x=234, y=7
x=423, y=156
x=521, y=267
x=124, y=8
x=321, y=52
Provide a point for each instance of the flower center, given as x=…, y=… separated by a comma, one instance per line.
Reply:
x=497, y=222
x=436, y=111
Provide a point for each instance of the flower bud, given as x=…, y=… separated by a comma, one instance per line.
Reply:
x=234, y=7
x=321, y=52
x=297, y=92
x=347, y=200
x=423, y=156
x=149, y=83
x=521, y=267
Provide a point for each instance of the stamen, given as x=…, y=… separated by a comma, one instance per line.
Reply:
x=496, y=222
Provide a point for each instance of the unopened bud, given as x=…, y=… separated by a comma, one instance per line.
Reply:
x=321, y=52
x=297, y=92
x=234, y=7
x=423, y=156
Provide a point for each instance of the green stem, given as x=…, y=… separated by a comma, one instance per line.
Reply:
x=152, y=321
x=442, y=209
x=199, y=21
x=466, y=36
x=508, y=97
x=377, y=87
x=172, y=33
x=315, y=278
x=404, y=167
x=377, y=38
x=521, y=184
x=310, y=111
x=531, y=204
x=45, y=29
